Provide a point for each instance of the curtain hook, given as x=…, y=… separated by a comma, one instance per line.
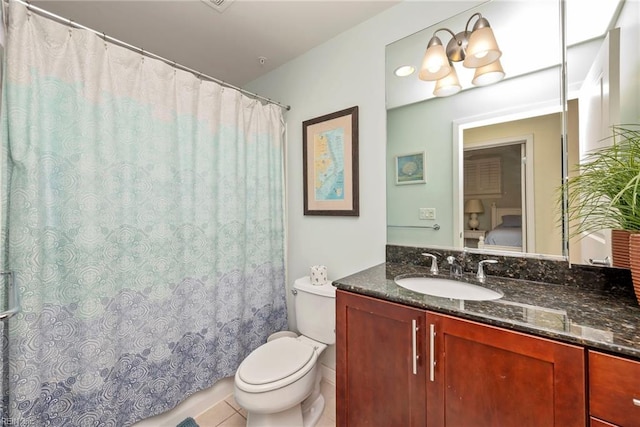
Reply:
x=104, y=38
x=70, y=27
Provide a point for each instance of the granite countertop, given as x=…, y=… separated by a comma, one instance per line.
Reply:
x=583, y=316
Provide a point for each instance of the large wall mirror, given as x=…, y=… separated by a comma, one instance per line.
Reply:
x=481, y=168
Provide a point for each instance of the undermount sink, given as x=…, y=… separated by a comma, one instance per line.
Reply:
x=447, y=288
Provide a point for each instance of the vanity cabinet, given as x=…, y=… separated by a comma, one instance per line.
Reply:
x=402, y=366
x=381, y=375
x=614, y=391
x=488, y=376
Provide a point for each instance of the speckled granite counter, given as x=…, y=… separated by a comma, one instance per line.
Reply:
x=608, y=321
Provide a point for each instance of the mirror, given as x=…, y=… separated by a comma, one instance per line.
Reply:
x=515, y=125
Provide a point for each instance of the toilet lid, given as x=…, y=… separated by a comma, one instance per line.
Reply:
x=274, y=361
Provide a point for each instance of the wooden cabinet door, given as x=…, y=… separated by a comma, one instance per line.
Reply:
x=614, y=389
x=488, y=376
x=380, y=370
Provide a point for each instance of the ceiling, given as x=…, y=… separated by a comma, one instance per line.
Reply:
x=224, y=45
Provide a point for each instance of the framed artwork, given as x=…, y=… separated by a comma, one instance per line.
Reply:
x=330, y=164
x=410, y=168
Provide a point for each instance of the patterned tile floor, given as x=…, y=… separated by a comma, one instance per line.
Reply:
x=229, y=414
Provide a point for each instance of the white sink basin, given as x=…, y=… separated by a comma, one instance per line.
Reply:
x=446, y=288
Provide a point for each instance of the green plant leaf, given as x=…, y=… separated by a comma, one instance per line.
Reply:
x=605, y=192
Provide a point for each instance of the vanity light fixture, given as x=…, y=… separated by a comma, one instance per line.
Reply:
x=475, y=49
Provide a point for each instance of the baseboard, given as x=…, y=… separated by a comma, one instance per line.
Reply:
x=193, y=406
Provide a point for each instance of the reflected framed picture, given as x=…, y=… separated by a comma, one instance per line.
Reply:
x=410, y=168
x=330, y=164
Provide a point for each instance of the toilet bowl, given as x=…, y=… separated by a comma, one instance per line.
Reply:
x=279, y=382
x=275, y=383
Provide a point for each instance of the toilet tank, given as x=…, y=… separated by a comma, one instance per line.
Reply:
x=315, y=310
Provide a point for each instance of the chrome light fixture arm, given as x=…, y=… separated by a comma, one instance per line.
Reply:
x=456, y=46
x=436, y=40
x=480, y=23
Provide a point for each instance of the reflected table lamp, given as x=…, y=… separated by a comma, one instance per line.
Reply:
x=473, y=207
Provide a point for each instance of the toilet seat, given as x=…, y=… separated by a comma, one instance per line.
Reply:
x=275, y=364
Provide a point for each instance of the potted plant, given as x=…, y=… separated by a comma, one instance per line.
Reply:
x=605, y=194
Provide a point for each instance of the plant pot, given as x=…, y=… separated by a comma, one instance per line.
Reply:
x=634, y=260
x=620, y=248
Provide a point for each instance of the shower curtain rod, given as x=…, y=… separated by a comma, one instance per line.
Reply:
x=146, y=53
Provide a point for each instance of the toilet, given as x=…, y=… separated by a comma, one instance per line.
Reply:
x=279, y=382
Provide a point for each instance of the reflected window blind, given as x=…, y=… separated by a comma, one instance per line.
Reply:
x=483, y=177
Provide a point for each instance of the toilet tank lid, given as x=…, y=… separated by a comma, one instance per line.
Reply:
x=304, y=284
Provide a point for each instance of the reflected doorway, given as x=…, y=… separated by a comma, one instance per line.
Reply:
x=494, y=181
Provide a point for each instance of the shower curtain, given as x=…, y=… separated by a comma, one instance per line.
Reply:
x=144, y=221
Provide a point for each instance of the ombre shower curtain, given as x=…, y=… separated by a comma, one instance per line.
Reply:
x=144, y=221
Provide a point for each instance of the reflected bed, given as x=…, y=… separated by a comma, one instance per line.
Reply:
x=506, y=232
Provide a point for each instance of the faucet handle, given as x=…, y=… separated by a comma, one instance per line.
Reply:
x=481, y=276
x=434, y=263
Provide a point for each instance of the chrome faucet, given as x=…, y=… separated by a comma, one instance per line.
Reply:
x=481, y=276
x=434, y=263
x=455, y=269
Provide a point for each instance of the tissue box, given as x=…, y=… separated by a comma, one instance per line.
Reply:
x=318, y=275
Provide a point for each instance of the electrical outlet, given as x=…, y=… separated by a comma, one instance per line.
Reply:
x=427, y=213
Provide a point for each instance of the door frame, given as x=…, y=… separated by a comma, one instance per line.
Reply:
x=598, y=109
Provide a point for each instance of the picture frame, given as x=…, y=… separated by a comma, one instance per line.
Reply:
x=410, y=168
x=330, y=164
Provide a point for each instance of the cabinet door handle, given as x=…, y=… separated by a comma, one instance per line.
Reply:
x=414, y=339
x=636, y=402
x=432, y=352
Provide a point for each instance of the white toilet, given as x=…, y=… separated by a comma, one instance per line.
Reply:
x=279, y=382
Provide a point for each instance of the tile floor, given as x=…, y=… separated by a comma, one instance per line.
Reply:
x=229, y=414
